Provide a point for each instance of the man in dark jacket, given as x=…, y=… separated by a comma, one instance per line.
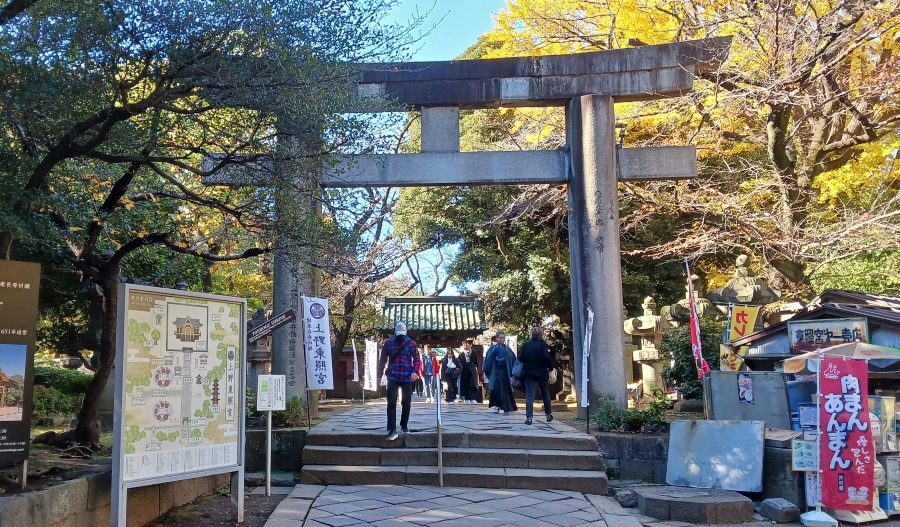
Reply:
x=401, y=357
x=535, y=357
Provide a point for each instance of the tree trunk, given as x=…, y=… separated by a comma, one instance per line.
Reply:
x=6, y=239
x=88, y=430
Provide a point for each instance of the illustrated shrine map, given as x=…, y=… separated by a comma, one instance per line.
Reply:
x=182, y=397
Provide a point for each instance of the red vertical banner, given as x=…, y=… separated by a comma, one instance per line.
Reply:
x=696, y=349
x=846, y=454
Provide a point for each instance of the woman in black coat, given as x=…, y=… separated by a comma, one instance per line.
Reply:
x=450, y=370
x=535, y=357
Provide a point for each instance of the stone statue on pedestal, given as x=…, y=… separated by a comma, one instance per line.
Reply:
x=650, y=328
x=680, y=312
x=744, y=288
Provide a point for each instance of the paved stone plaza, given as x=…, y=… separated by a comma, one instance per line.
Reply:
x=455, y=418
x=411, y=505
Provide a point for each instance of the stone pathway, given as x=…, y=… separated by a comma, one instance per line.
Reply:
x=412, y=505
x=454, y=417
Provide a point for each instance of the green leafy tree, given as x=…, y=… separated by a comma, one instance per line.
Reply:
x=676, y=344
x=107, y=109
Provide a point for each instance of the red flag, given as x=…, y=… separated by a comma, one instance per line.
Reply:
x=702, y=365
x=847, y=453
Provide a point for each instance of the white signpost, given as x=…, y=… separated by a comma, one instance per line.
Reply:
x=271, y=395
x=180, y=393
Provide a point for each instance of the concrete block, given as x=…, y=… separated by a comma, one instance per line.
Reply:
x=287, y=461
x=693, y=511
x=659, y=471
x=423, y=476
x=95, y=518
x=166, y=497
x=143, y=505
x=627, y=498
x=440, y=129
x=56, y=503
x=500, y=440
x=14, y=511
x=449, y=440
x=501, y=458
x=639, y=469
x=556, y=460
x=289, y=440
x=493, y=478
x=409, y=456
x=256, y=441
x=99, y=490
x=339, y=475
x=652, y=505
x=737, y=510
x=584, y=481
x=780, y=510
x=329, y=455
x=779, y=481
x=645, y=448
x=613, y=445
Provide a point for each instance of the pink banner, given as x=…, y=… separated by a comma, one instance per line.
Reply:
x=847, y=454
x=696, y=349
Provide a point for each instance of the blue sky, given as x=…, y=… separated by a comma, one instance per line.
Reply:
x=12, y=359
x=459, y=24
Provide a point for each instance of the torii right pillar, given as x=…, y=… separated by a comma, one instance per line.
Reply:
x=596, y=269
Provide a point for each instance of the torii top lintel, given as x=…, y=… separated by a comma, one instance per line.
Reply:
x=630, y=74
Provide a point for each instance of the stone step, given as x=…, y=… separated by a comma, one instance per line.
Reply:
x=494, y=440
x=583, y=481
x=454, y=457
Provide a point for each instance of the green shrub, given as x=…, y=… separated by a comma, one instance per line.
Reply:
x=608, y=415
x=71, y=382
x=292, y=415
x=677, y=344
x=50, y=402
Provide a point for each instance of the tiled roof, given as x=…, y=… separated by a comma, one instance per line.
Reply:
x=433, y=313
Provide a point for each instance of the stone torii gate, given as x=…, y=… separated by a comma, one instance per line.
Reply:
x=587, y=85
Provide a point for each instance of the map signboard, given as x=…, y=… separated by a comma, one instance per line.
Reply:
x=19, y=286
x=180, y=387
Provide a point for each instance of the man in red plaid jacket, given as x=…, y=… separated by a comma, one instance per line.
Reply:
x=401, y=357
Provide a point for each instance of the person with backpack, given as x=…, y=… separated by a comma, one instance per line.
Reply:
x=400, y=356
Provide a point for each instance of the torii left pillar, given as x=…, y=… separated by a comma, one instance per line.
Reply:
x=595, y=260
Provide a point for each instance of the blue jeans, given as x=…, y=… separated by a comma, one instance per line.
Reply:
x=530, y=386
x=429, y=386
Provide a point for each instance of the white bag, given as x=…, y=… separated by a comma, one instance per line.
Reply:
x=552, y=376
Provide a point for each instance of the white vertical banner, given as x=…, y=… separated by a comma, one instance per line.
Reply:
x=513, y=342
x=317, y=340
x=355, y=363
x=370, y=364
x=585, y=355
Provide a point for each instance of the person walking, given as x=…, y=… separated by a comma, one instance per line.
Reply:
x=419, y=385
x=497, y=366
x=430, y=368
x=450, y=367
x=468, y=374
x=535, y=357
x=400, y=356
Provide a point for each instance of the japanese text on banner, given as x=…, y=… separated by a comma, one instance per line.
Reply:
x=846, y=455
x=371, y=366
x=317, y=337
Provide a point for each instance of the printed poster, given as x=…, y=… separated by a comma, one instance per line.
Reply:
x=317, y=339
x=745, y=388
x=847, y=454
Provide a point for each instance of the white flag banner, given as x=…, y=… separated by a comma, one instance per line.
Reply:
x=513, y=342
x=370, y=364
x=355, y=364
x=585, y=355
x=317, y=339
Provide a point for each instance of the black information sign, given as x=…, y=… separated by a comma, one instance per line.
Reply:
x=271, y=325
x=19, y=285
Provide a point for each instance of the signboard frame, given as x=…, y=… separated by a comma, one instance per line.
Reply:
x=120, y=487
x=792, y=326
x=19, y=291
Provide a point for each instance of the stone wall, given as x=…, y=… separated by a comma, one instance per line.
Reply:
x=85, y=502
x=287, y=450
x=634, y=456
